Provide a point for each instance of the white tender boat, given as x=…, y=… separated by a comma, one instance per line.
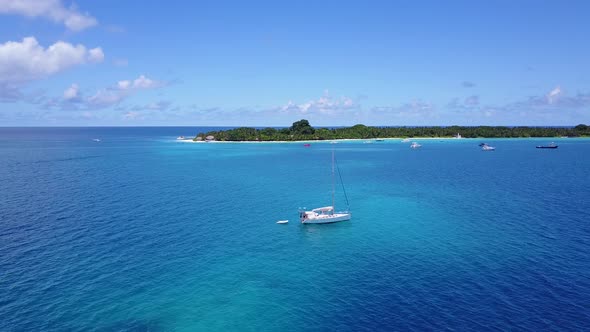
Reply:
x=282, y=221
x=180, y=137
x=415, y=145
x=406, y=140
x=327, y=214
x=486, y=147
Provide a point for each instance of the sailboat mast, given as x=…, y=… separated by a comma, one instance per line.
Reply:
x=333, y=183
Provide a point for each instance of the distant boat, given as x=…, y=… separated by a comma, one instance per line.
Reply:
x=379, y=140
x=548, y=146
x=282, y=221
x=180, y=137
x=486, y=147
x=415, y=145
x=96, y=139
x=406, y=140
x=307, y=145
x=457, y=136
x=326, y=215
x=368, y=142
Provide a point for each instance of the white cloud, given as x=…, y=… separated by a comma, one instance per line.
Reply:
x=553, y=95
x=123, y=85
x=50, y=9
x=550, y=108
x=71, y=92
x=325, y=104
x=324, y=111
x=143, y=82
x=131, y=115
x=109, y=96
x=22, y=62
x=95, y=55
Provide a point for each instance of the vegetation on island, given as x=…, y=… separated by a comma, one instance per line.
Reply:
x=303, y=131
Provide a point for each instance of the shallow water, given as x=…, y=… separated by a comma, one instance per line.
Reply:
x=141, y=232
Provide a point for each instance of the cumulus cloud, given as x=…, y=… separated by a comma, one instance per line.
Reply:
x=341, y=111
x=49, y=9
x=21, y=62
x=95, y=55
x=106, y=97
x=323, y=111
x=123, y=85
x=324, y=104
x=555, y=105
x=123, y=89
x=141, y=82
x=71, y=93
x=555, y=99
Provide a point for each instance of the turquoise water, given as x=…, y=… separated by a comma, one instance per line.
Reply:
x=140, y=232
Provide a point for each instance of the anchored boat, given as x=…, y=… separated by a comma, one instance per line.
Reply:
x=326, y=214
x=548, y=146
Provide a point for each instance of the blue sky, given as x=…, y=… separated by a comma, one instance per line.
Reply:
x=128, y=63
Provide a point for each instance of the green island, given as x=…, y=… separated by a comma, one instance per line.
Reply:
x=303, y=131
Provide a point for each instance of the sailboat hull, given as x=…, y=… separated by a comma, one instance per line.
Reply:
x=327, y=218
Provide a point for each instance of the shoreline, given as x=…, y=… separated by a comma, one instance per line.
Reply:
x=374, y=140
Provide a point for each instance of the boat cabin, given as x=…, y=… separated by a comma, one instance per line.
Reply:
x=316, y=213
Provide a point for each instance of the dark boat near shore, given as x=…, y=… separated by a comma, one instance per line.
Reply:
x=549, y=146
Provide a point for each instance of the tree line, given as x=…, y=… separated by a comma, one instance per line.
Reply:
x=302, y=131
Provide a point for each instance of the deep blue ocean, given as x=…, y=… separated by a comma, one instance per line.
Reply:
x=141, y=232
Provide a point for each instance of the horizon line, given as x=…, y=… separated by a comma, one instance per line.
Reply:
x=282, y=126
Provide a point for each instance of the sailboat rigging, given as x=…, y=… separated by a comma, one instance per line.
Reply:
x=327, y=214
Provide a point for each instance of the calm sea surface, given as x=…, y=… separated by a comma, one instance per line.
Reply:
x=140, y=232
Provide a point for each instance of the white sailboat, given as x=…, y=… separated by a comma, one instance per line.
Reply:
x=326, y=214
x=415, y=145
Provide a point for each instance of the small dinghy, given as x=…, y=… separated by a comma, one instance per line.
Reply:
x=282, y=221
